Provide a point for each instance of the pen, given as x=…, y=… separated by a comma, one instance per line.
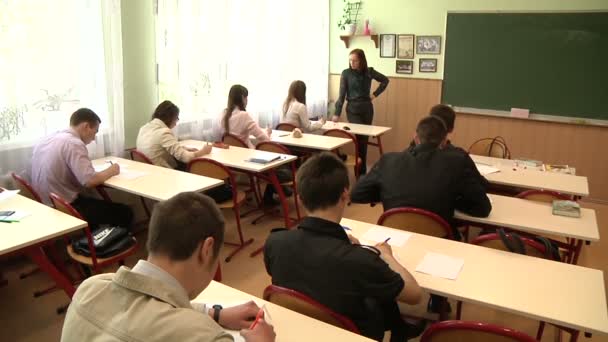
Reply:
x=346, y=228
x=385, y=241
x=109, y=161
x=257, y=318
x=283, y=135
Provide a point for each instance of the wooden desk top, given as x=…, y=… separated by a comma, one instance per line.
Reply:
x=235, y=157
x=311, y=141
x=159, y=183
x=288, y=325
x=533, y=179
x=554, y=292
x=537, y=217
x=359, y=129
x=43, y=223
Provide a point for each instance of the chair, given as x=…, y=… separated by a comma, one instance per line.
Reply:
x=305, y=305
x=461, y=331
x=233, y=140
x=286, y=127
x=211, y=168
x=352, y=151
x=142, y=158
x=278, y=148
x=26, y=188
x=91, y=261
x=416, y=220
x=491, y=147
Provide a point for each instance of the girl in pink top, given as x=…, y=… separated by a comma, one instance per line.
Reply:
x=237, y=121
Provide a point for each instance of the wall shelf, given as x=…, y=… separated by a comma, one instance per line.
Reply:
x=346, y=39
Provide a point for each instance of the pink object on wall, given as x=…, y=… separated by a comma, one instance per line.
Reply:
x=366, y=31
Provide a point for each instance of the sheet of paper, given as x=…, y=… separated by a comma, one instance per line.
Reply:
x=485, y=169
x=101, y=167
x=236, y=334
x=378, y=234
x=130, y=174
x=440, y=265
x=18, y=215
x=6, y=194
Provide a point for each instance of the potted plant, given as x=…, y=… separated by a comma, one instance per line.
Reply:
x=348, y=22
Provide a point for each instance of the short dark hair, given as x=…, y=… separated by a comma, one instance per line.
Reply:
x=180, y=223
x=167, y=112
x=84, y=115
x=445, y=113
x=431, y=130
x=321, y=181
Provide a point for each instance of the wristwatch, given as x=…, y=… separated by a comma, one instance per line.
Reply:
x=216, y=312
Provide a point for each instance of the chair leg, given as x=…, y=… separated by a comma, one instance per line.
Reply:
x=541, y=329
x=29, y=273
x=242, y=243
x=143, y=204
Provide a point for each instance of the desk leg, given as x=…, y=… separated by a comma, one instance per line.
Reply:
x=277, y=186
x=38, y=256
x=377, y=144
x=577, y=251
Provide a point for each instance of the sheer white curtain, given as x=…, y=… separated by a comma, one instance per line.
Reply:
x=204, y=47
x=55, y=57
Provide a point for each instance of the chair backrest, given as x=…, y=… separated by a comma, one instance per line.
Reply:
x=233, y=140
x=493, y=240
x=284, y=126
x=270, y=146
x=416, y=220
x=139, y=156
x=466, y=331
x=352, y=149
x=492, y=147
x=547, y=196
x=305, y=305
x=26, y=188
x=209, y=168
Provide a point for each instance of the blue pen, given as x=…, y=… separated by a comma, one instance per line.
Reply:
x=346, y=228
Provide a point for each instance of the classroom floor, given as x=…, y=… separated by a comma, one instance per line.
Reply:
x=25, y=318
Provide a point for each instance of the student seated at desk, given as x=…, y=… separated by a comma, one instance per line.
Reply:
x=151, y=302
x=235, y=120
x=61, y=164
x=157, y=142
x=320, y=260
x=426, y=177
x=294, y=109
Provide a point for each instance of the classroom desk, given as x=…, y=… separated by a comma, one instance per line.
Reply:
x=554, y=292
x=288, y=325
x=533, y=179
x=30, y=234
x=360, y=129
x=159, y=183
x=309, y=141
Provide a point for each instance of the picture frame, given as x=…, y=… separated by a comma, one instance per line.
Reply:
x=405, y=46
x=427, y=65
x=428, y=45
x=404, y=66
x=387, y=45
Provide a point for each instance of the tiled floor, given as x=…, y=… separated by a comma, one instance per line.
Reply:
x=25, y=318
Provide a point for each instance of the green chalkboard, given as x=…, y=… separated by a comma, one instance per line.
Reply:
x=550, y=63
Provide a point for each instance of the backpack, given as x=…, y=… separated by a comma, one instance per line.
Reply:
x=515, y=244
x=108, y=241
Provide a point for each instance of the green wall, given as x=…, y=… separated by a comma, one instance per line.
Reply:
x=424, y=17
x=139, y=65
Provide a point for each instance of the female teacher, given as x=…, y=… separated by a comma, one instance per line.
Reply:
x=355, y=85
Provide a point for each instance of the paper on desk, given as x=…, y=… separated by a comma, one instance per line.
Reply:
x=440, y=265
x=236, y=334
x=485, y=169
x=104, y=166
x=379, y=234
x=130, y=174
x=6, y=194
x=16, y=216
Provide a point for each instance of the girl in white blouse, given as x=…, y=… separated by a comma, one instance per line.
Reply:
x=294, y=109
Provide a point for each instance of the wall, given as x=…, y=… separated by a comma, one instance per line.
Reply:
x=139, y=65
x=424, y=17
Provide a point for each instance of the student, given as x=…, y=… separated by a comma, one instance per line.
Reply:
x=355, y=86
x=151, y=302
x=235, y=120
x=294, y=109
x=60, y=164
x=157, y=142
x=321, y=261
x=426, y=177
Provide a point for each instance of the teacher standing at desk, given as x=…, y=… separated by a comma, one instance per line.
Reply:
x=355, y=86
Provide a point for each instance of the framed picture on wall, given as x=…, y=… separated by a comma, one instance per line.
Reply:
x=405, y=46
x=428, y=45
x=387, y=45
x=404, y=67
x=427, y=65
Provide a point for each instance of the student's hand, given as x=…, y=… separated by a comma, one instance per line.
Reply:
x=335, y=118
x=268, y=131
x=353, y=239
x=114, y=169
x=322, y=121
x=204, y=151
x=240, y=316
x=385, y=249
x=262, y=332
x=191, y=149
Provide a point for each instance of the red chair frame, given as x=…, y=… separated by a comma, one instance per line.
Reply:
x=427, y=336
x=351, y=136
x=446, y=226
x=27, y=185
x=346, y=322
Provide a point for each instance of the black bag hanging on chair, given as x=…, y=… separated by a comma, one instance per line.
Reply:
x=108, y=241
